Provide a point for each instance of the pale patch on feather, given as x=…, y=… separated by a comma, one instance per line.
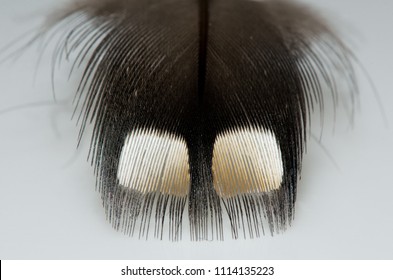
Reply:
x=154, y=161
x=246, y=161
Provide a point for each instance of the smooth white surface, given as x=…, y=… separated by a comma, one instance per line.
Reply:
x=49, y=209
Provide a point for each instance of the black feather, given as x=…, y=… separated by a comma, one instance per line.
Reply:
x=202, y=106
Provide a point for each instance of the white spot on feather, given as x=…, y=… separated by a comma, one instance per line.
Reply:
x=153, y=161
x=246, y=161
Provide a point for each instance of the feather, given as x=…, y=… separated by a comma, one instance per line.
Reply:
x=200, y=107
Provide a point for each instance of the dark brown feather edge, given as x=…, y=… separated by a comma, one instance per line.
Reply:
x=321, y=61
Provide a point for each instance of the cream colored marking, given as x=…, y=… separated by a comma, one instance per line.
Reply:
x=152, y=161
x=246, y=161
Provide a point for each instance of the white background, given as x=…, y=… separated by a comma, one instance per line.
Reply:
x=283, y=269
x=50, y=210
